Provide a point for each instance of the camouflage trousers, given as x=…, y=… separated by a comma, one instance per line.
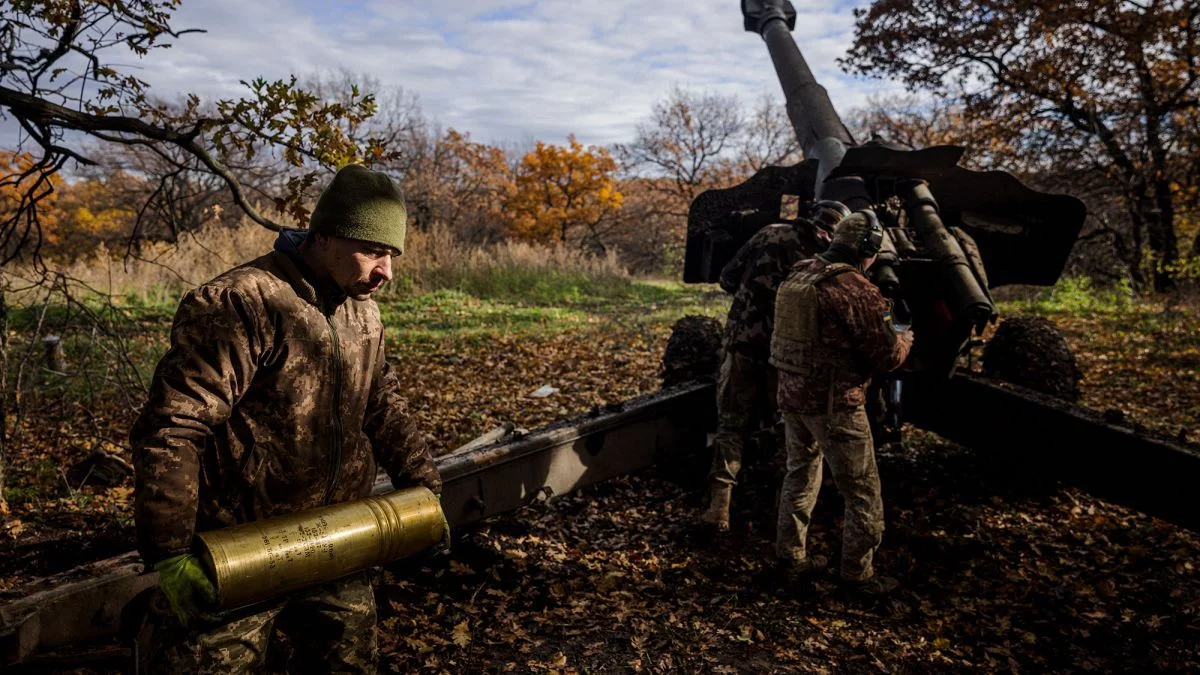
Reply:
x=331, y=629
x=844, y=440
x=745, y=396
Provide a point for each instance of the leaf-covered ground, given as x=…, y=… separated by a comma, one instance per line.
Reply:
x=995, y=579
x=462, y=388
x=1144, y=362
x=998, y=574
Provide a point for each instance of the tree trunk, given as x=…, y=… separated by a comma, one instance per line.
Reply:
x=3, y=390
x=1161, y=227
x=1160, y=230
x=1160, y=218
x=1138, y=253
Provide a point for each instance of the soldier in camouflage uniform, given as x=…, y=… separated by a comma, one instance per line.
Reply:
x=275, y=396
x=833, y=332
x=746, y=384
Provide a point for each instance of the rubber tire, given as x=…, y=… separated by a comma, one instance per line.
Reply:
x=693, y=351
x=1030, y=351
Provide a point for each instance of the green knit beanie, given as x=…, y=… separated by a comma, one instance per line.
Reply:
x=362, y=204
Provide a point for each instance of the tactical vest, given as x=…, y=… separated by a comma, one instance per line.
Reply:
x=796, y=341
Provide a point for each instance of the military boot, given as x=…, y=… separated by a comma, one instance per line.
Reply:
x=717, y=514
x=800, y=576
x=873, y=587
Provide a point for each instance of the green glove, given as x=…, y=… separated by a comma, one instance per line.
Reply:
x=187, y=587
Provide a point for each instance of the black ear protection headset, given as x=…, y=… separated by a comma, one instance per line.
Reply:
x=872, y=239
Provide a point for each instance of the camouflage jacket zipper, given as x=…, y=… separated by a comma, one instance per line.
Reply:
x=335, y=461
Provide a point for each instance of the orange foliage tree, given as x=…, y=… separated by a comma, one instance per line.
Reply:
x=93, y=211
x=564, y=193
x=27, y=201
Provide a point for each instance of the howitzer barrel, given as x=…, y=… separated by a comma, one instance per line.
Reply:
x=965, y=292
x=259, y=560
x=811, y=112
x=818, y=127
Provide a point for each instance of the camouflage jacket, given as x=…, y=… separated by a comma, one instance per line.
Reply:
x=274, y=397
x=753, y=275
x=855, y=324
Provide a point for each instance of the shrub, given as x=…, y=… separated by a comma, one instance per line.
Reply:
x=1079, y=294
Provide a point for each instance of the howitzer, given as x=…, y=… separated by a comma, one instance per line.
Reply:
x=941, y=255
x=953, y=234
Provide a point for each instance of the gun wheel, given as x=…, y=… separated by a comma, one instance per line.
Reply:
x=693, y=351
x=1030, y=351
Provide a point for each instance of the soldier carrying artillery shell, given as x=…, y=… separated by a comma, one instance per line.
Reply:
x=275, y=397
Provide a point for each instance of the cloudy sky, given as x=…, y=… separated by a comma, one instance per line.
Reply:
x=505, y=71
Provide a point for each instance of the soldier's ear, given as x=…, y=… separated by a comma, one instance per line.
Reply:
x=319, y=240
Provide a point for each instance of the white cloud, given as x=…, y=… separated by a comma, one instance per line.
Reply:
x=505, y=71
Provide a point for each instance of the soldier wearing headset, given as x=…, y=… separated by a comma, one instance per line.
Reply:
x=833, y=332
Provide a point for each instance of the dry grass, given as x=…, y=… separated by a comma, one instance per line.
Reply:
x=433, y=260
x=159, y=272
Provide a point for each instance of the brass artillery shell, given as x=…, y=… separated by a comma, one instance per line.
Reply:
x=256, y=561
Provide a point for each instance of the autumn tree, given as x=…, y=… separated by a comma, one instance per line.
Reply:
x=767, y=137
x=688, y=141
x=692, y=142
x=459, y=183
x=565, y=194
x=78, y=214
x=93, y=211
x=448, y=179
x=1110, y=83
x=22, y=187
x=688, y=144
x=649, y=240
x=914, y=122
x=171, y=194
x=65, y=80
